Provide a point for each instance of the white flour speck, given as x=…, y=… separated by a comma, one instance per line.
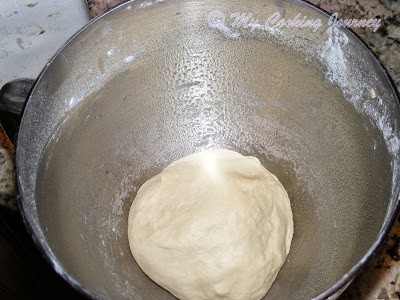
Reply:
x=72, y=102
x=129, y=59
x=110, y=52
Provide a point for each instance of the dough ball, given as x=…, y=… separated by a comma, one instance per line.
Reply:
x=212, y=225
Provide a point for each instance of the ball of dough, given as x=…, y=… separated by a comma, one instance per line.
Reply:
x=212, y=225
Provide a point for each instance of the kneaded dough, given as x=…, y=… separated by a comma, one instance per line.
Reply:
x=212, y=225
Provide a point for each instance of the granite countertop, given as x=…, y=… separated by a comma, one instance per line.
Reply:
x=381, y=278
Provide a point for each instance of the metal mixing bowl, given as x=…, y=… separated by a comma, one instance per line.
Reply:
x=153, y=81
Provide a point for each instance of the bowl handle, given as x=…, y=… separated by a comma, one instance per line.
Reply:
x=12, y=98
x=14, y=93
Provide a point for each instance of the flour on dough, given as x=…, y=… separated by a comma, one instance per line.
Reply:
x=212, y=225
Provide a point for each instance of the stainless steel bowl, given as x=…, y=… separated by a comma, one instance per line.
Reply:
x=153, y=81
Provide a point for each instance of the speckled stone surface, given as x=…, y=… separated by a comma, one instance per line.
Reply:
x=381, y=278
x=7, y=185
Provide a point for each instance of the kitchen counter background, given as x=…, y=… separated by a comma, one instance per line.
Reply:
x=381, y=278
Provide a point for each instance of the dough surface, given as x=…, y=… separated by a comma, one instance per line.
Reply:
x=212, y=225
